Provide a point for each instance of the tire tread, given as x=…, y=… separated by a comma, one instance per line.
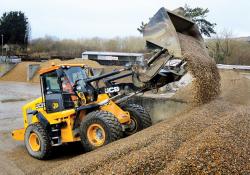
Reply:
x=46, y=152
x=112, y=123
x=144, y=115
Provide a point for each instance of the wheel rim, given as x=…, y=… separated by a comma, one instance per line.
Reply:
x=34, y=142
x=96, y=135
x=133, y=126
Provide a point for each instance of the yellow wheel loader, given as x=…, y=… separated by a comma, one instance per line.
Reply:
x=73, y=108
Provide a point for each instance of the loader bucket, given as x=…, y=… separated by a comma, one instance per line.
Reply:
x=162, y=31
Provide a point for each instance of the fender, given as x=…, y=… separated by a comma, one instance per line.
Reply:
x=81, y=108
x=43, y=121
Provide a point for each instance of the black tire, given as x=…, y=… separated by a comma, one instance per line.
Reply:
x=45, y=149
x=109, y=123
x=140, y=118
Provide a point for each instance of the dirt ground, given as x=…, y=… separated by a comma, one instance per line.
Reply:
x=213, y=138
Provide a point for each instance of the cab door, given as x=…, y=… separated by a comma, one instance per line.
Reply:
x=52, y=92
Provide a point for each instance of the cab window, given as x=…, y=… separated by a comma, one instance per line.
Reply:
x=51, y=84
x=75, y=73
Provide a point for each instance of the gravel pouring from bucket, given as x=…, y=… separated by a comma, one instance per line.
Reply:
x=182, y=40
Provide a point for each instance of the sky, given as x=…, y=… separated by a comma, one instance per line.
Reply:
x=118, y=18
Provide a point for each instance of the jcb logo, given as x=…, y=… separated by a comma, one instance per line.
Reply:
x=112, y=90
x=55, y=105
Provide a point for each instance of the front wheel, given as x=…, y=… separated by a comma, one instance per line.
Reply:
x=37, y=141
x=99, y=128
x=140, y=118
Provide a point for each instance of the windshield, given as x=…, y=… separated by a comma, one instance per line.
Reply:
x=75, y=73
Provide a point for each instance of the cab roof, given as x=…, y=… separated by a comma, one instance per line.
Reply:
x=55, y=67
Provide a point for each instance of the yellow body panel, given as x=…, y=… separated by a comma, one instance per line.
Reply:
x=67, y=132
x=122, y=116
x=58, y=117
x=32, y=106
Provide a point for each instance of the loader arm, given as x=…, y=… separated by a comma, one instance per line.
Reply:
x=161, y=35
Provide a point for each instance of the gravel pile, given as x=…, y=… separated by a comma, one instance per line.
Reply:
x=223, y=148
x=213, y=138
x=19, y=73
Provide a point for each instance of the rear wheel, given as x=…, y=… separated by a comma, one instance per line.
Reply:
x=99, y=128
x=140, y=118
x=37, y=141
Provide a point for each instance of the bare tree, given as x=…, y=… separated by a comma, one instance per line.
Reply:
x=221, y=46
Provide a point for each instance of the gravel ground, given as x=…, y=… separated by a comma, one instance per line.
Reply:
x=213, y=139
